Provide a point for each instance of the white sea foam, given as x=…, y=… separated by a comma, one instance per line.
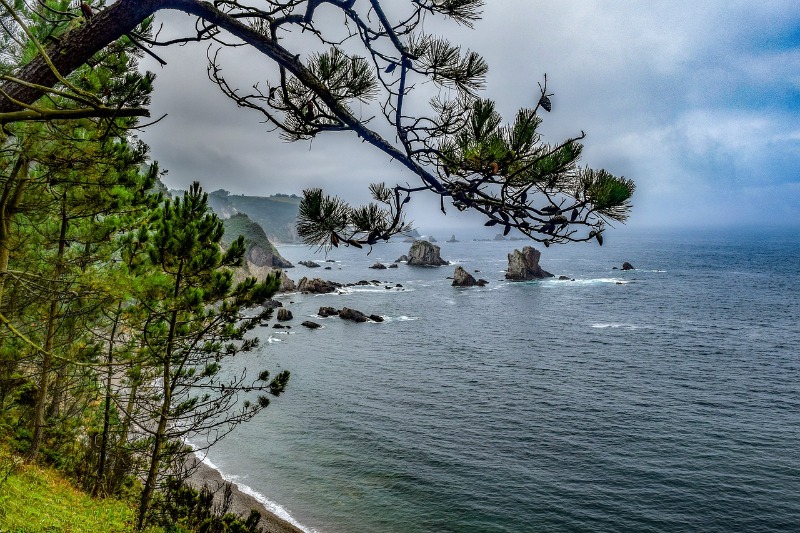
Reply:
x=613, y=325
x=272, y=339
x=589, y=281
x=271, y=506
x=401, y=318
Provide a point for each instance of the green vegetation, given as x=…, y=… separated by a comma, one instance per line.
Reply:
x=276, y=214
x=259, y=250
x=34, y=498
x=119, y=312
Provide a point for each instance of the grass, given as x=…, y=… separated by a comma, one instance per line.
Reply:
x=36, y=499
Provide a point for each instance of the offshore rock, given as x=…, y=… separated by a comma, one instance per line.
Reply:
x=423, y=253
x=325, y=312
x=379, y=266
x=272, y=304
x=452, y=238
x=317, y=286
x=401, y=259
x=311, y=325
x=309, y=264
x=284, y=314
x=462, y=278
x=393, y=265
x=627, y=266
x=524, y=265
x=376, y=318
x=352, y=314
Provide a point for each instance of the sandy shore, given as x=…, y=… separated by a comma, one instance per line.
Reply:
x=241, y=503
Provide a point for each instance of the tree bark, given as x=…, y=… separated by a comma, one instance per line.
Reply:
x=47, y=360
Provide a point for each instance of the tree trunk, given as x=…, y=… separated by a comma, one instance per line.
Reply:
x=152, y=475
x=47, y=360
x=101, y=474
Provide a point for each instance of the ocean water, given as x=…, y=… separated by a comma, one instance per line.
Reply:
x=661, y=399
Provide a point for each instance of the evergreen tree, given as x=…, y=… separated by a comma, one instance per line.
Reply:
x=456, y=144
x=196, y=321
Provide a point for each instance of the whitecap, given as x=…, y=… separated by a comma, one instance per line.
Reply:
x=401, y=318
x=613, y=325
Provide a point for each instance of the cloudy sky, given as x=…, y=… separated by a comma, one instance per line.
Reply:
x=698, y=102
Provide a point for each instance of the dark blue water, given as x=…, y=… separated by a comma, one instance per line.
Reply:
x=661, y=399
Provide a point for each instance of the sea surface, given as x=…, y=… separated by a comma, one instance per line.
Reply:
x=661, y=399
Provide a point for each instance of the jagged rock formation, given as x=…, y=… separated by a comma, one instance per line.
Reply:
x=524, y=265
x=423, y=253
x=287, y=285
x=317, y=286
x=452, y=238
x=462, y=278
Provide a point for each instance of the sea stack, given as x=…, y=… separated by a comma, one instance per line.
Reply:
x=524, y=265
x=462, y=278
x=423, y=253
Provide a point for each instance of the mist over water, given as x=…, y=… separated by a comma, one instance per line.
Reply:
x=661, y=399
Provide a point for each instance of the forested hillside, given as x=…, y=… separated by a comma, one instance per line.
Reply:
x=277, y=214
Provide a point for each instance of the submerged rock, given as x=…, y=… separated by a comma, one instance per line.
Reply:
x=524, y=265
x=423, y=253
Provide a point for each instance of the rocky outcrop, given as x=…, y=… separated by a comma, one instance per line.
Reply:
x=524, y=265
x=311, y=325
x=352, y=314
x=309, y=264
x=401, y=259
x=452, y=238
x=499, y=237
x=287, y=285
x=325, y=312
x=462, y=278
x=393, y=265
x=627, y=266
x=317, y=286
x=376, y=318
x=284, y=315
x=379, y=266
x=258, y=249
x=423, y=253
